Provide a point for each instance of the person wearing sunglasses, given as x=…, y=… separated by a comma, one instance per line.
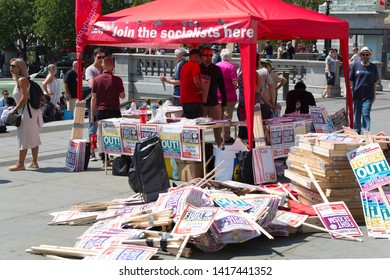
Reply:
x=363, y=76
x=4, y=96
x=92, y=72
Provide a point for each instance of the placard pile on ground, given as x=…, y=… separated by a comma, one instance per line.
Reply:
x=325, y=154
x=209, y=215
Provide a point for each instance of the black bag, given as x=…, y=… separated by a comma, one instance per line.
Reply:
x=148, y=174
x=246, y=169
x=121, y=165
x=13, y=119
x=56, y=114
x=35, y=95
x=87, y=155
x=3, y=129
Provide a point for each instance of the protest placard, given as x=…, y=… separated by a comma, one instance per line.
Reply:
x=125, y=253
x=263, y=165
x=372, y=213
x=170, y=141
x=195, y=220
x=292, y=219
x=321, y=120
x=190, y=143
x=229, y=200
x=147, y=130
x=335, y=216
x=129, y=133
x=369, y=166
x=111, y=137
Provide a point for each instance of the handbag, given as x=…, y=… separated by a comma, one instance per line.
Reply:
x=13, y=119
x=121, y=165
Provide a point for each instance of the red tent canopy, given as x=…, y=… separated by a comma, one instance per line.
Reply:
x=164, y=22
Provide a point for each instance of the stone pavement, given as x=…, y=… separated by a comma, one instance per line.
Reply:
x=27, y=198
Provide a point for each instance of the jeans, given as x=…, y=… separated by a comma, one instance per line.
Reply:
x=362, y=110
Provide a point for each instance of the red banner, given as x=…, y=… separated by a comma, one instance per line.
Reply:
x=87, y=11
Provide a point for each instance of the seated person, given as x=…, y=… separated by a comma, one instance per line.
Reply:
x=47, y=109
x=9, y=105
x=62, y=104
x=299, y=94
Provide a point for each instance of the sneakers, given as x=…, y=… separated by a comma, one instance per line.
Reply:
x=16, y=167
x=93, y=157
x=33, y=165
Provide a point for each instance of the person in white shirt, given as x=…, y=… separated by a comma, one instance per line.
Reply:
x=3, y=104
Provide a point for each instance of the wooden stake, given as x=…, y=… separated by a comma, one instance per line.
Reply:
x=183, y=245
x=256, y=225
x=316, y=183
x=288, y=193
x=258, y=129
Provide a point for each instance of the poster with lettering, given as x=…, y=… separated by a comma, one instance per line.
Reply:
x=370, y=166
x=263, y=165
x=292, y=219
x=147, y=130
x=125, y=253
x=372, y=214
x=195, y=220
x=335, y=216
x=321, y=120
x=111, y=136
x=190, y=144
x=288, y=137
x=76, y=155
x=170, y=140
x=276, y=132
x=339, y=119
x=229, y=201
x=129, y=133
x=385, y=213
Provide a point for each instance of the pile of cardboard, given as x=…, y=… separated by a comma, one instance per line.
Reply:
x=325, y=154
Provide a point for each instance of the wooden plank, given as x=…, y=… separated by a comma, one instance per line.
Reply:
x=258, y=129
x=321, y=150
x=305, y=153
x=322, y=172
x=78, y=120
x=318, y=162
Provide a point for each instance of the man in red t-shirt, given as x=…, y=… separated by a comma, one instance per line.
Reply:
x=191, y=87
x=106, y=91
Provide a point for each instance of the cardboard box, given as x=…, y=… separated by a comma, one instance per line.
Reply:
x=189, y=170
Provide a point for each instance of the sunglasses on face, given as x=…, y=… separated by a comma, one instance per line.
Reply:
x=100, y=57
x=13, y=65
x=364, y=55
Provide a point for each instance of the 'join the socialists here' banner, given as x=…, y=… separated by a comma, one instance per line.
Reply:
x=370, y=166
x=173, y=31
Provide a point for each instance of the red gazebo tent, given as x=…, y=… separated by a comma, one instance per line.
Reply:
x=166, y=22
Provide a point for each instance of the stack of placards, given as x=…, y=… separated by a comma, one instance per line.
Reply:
x=264, y=207
x=233, y=227
x=75, y=157
x=124, y=253
x=179, y=199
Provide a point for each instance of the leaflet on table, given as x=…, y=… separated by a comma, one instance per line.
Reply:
x=190, y=143
x=335, y=216
x=370, y=166
x=111, y=136
x=170, y=140
x=321, y=120
x=129, y=134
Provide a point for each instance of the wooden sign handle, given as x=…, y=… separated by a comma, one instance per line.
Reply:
x=316, y=183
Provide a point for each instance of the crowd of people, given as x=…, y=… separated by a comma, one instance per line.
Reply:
x=205, y=86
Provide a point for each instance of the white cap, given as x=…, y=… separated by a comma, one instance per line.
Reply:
x=365, y=49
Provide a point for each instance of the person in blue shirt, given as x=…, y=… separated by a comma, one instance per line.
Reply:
x=175, y=81
x=363, y=76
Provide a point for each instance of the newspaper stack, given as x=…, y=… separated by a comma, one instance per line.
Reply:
x=232, y=227
x=75, y=157
x=207, y=242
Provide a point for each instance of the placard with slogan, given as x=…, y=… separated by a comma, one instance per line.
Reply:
x=370, y=166
x=190, y=143
x=111, y=137
x=336, y=216
x=129, y=134
x=229, y=201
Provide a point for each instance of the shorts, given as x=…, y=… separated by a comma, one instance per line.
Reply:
x=330, y=80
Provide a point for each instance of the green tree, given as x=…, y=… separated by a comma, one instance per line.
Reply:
x=16, y=23
x=308, y=4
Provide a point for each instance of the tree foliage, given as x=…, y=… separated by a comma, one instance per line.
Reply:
x=309, y=4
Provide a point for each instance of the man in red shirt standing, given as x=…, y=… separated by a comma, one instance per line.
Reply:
x=106, y=91
x=191, y=87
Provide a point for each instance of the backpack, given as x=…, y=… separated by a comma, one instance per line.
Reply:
x=35, y=95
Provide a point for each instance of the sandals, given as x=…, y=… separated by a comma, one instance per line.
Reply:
x=16, y=167
x=33, y=165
